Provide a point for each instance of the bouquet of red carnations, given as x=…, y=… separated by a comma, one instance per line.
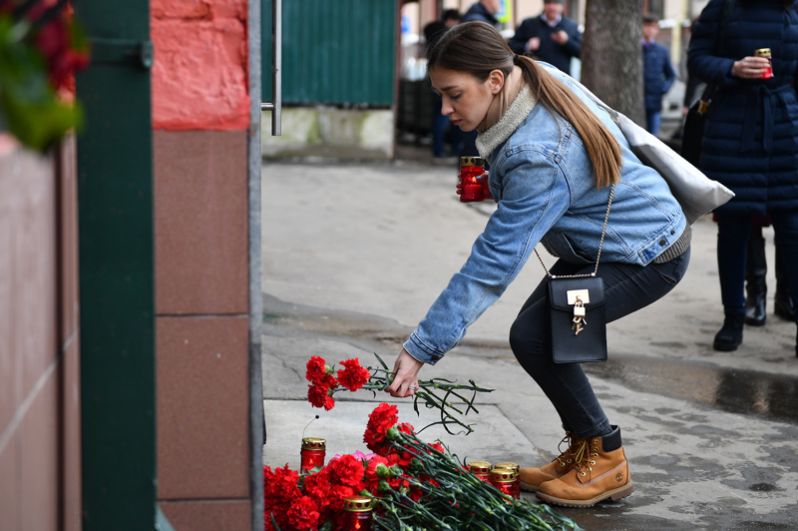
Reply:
x=453, y=400
x=41, y=48
x=406, y=484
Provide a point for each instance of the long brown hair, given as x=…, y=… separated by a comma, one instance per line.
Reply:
x=478, y=49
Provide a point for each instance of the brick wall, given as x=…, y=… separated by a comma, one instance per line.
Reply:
x=201, y=117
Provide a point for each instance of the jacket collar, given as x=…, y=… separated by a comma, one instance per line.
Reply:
x=516, y=113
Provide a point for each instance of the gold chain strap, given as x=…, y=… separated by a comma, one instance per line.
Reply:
x=601, y=244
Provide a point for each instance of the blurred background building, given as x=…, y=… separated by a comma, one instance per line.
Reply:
x=354, y=72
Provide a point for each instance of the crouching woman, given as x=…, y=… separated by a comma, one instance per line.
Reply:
x=555, y=160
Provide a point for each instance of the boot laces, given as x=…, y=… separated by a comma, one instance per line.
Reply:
x=566, y=456
x=585, y=456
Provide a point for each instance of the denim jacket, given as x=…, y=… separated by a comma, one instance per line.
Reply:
x=542, y=180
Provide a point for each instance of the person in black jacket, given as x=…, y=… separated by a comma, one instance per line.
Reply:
x=750, y=141
x=441, y=128
x=550, y=37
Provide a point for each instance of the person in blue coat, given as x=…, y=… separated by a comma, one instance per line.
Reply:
x=658, y=73
x=550, y=37
x=558, y=162
x=750, y=137
x=484, y=11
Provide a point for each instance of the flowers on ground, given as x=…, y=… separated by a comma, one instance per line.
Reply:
x=413, y=485
x=451, y=399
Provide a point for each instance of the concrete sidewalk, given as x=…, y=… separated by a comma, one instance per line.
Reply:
x=354, y=254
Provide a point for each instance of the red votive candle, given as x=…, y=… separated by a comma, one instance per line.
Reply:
x=313, y=452
x=357, y=514
x=515, y=469
x=503, y=479
x=480, y=469
x=471, y=189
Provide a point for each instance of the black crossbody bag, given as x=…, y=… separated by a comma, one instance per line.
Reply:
x=578, y=322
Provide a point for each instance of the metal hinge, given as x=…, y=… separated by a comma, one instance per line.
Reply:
x=122, y=51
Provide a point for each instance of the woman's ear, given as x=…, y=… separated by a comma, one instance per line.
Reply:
x=496, y=81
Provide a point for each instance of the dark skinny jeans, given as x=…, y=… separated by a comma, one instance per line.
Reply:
x=627, y=289
x=733, y=234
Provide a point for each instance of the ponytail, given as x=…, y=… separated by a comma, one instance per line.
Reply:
x=602, y=148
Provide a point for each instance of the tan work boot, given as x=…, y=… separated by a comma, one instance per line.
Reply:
x=532, y=477
x=600, y=472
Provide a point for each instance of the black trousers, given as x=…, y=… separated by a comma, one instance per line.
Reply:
x=627, y=289
x=733, y=234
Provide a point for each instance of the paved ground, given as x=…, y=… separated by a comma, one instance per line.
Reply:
x=354, y=254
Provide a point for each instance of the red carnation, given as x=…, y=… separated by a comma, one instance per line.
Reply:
x=319, y=396
x=337, y=495
x=280, y=488
x=316, y=369
x=384, y=417
x=372, y=479
x=303, y=515
x=353, y=376
x=406, y=427
x=318, y=487
x=347, y=470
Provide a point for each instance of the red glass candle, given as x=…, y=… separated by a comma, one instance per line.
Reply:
x=357, y=514
x=480, y=469
x=766, y=53
x=471, y=187
x=515, y=469
x=313, y=452
x=504, y=479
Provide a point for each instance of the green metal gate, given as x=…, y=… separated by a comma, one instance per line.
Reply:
x=340, y=52
x=115, y=223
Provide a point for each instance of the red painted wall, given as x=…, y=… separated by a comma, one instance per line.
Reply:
x=201, y=118
x=199, y=79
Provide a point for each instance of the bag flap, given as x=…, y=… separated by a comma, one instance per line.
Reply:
x=559, y=288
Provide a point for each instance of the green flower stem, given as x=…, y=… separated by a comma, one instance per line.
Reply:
x=435, y=393
x=460, y=500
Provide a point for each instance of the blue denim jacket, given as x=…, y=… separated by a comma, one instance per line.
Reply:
x=542, y=180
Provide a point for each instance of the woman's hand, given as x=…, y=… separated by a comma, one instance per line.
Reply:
x=750, y=67
x=405, y=380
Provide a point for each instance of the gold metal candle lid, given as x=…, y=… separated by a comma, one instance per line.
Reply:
x=479, y=467
x=358, y=504
x=503, y=475
x=472, y=161
x=313, y=443
x=508, y=465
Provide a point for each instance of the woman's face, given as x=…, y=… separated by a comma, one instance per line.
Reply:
x=465, y=98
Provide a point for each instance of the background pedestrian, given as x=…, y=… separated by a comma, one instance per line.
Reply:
x=658, y=73
x=441, y=128
x=750, y=138
x=550, y=37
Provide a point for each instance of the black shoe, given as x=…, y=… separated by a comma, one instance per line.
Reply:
x=730, y=335
x=783, y=307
